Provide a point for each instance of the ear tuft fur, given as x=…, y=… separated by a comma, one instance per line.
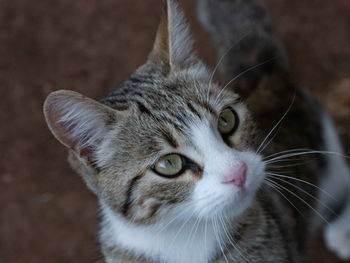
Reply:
x=173, y=43
x=76, y=121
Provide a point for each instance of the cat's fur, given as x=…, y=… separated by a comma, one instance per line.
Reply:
x=171, y=105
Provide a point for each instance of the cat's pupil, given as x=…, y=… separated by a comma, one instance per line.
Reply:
x=170, y=163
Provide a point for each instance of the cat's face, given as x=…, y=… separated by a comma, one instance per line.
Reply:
x=171, y=144
x=180, y=148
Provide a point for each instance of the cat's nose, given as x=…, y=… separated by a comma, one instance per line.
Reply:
x=237, y=176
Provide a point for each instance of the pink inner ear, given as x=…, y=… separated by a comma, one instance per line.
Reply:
x=59, y=130
x=64, y=136
x=76, y=121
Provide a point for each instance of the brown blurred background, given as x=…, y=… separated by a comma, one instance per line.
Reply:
x=46, y=212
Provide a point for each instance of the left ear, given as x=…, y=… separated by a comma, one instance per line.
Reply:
x=173, y=44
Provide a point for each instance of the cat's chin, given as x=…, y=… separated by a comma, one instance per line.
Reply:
x=241, y=202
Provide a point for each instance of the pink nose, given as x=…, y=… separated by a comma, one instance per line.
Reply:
x=237, y=177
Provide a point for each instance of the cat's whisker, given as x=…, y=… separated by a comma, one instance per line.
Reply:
x=305, y=192
x=303, y=181
x=193, y=231
x=302, y=200
x=205, y=235
x=281, y=161
x=188, y=241
x=286, y=151
x=220, y=60
x=185, y=210
x=276, y=125
x=241, y=74
x=217, y=236
x=289, y=165
x=306, y=153
x=268, y=143
x=231, y=241
x=227, y=236
x=272, y=184
x=280, y=165
x=180, y=229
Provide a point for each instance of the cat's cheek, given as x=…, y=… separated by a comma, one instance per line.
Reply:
x=255, y=171
x=146, y=209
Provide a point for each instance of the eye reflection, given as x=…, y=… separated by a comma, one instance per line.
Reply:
x=169, y=165
x=228, y=121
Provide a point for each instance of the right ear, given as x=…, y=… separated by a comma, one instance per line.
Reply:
x=172, y=47
x=78, y=122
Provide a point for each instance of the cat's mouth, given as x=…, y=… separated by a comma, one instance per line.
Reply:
x=231, y=198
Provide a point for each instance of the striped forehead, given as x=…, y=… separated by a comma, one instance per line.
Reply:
x=172, y=107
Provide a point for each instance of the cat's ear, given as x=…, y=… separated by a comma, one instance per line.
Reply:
x=78, y=122
x=173, y=44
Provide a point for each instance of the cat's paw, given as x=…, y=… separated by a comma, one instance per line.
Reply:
x=337, y=236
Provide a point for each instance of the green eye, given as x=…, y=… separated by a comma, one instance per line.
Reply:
x=169, y=165
x=228, y=121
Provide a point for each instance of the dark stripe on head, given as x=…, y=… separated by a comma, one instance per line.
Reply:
x=115, y=99
x=128, y=194
x=190, y=106
x=207, y=106
x=180, y=119
x=169, y=138
x=119, y=92
x=138, y=80
x=142, y=108
x=120, y=107
x=135, y=80
x=137, y=93
x=169, y=121
x=115, y=105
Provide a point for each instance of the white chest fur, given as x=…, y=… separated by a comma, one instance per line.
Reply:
x=188, y=242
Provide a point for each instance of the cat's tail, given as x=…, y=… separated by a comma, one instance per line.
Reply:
x=242, y=35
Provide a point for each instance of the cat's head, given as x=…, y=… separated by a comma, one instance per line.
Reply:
x=169, y=141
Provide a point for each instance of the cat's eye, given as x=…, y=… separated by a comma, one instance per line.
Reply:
x=169, y=165
x=228, y=121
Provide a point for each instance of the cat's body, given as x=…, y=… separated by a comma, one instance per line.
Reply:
x=221, y=206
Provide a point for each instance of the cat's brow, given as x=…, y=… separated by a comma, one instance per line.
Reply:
x=206, y=105
x=168, y=136
x=192, y=108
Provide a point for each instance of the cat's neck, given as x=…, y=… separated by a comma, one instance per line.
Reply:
x=189, y=241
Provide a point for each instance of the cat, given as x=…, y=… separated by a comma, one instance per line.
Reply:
x=190, y=170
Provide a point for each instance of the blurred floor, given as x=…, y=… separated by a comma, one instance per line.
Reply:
x=46, y=212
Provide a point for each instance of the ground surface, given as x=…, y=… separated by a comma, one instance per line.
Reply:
x=46, y=212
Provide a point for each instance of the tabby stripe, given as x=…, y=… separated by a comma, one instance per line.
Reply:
x=115, y=105
x=119, y=92
x=115, y=99
x=170, y=138
x=180, y=119
x=281, y=228
x=140, y=80
x=169, y=121
x=128, y=200
x=190, y=106
x=143, y=108
x=206, y=106
x=137, y=93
